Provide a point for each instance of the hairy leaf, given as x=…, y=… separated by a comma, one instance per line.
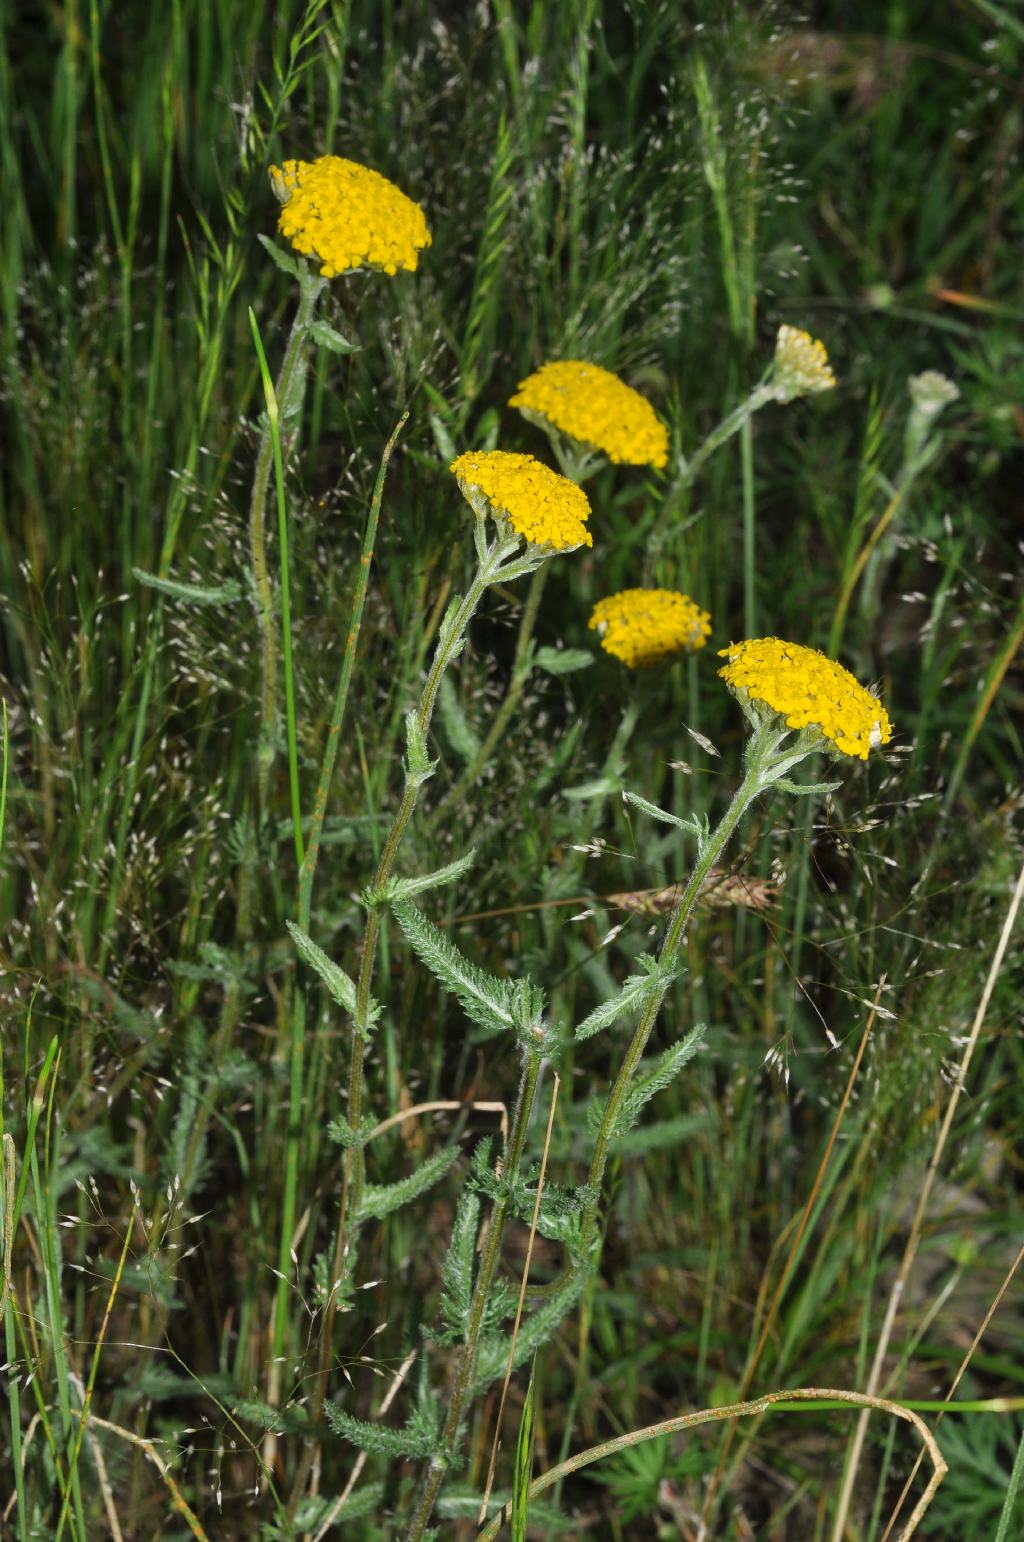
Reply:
x=462, y=737
x=483, y=998
x=194, y=594
x=380, y=1200
x=562, y=661
x=417, y=1440
x=405, y=888
x=286, y=263
x=637, y=991
x=327, y=337
x=664, y=1070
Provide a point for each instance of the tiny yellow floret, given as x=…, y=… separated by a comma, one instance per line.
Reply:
x=801, y=365
x=809, y=691
x=543, y=507
x=594, y=406
x=641, y=626
x=346, y=216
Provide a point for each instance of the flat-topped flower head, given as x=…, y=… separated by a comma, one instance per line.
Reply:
x=641, y=626
x=543, y=507
x=346, y=216
x=807, y=690
x=594, y=406
x=801, y=365
x=931, y=391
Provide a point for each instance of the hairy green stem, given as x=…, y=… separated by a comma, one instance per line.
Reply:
x=307, y=874
x=274, y=424
x=478, y=1305
x=740, y=416
x=283, y=400
x=288, y=392
x=488, y=572
x=748, y=789
x=323, y=787
x=517, y=685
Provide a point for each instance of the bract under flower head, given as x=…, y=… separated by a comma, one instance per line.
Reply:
x=594, y=406
x=539, y=504
x=347, y=216
x=808, y=690
x=801, y=365
x=641, y=626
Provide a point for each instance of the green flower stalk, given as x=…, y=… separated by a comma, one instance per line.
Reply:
x=930, y=394
x=534, y=513
x=347, y=218
x=798, y=703
x=590, y=417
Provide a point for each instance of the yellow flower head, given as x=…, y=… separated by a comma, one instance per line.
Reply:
x=809, y=691
x=347, y=216
x=801, y=365
x=539, y=504
x=597, y=408
x=641, y=626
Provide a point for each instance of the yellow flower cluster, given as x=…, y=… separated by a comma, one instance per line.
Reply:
x=641, y=626
x=347, y=216
x=801, y=365
x=809, y=691
x=540, y=505
x=597, y=408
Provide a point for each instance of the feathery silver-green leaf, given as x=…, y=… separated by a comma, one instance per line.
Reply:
x=484, y=999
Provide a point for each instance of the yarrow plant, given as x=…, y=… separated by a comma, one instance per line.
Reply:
x=797, y=703
x=643, y=626
x=345, y=217
x=801, y=366
x=596, y=409
x=808, y=690
x=526, y=497
x=348, y=216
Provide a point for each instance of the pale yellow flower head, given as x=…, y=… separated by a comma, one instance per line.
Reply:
x=801, y=365
x=641, y=626
x=808, y=690
x=346, y=216
x=594, y=406
x=931, y=392
x=543, y=507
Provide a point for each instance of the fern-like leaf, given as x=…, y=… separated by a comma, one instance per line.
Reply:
x=417, y=1440
x=665, y=1069
x=462, y=737
x=484, y=999
x=341, y=985
x=636, y=993
x=380, y=1200
x=405, y=888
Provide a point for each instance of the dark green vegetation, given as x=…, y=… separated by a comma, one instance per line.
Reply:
x=586, y=200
